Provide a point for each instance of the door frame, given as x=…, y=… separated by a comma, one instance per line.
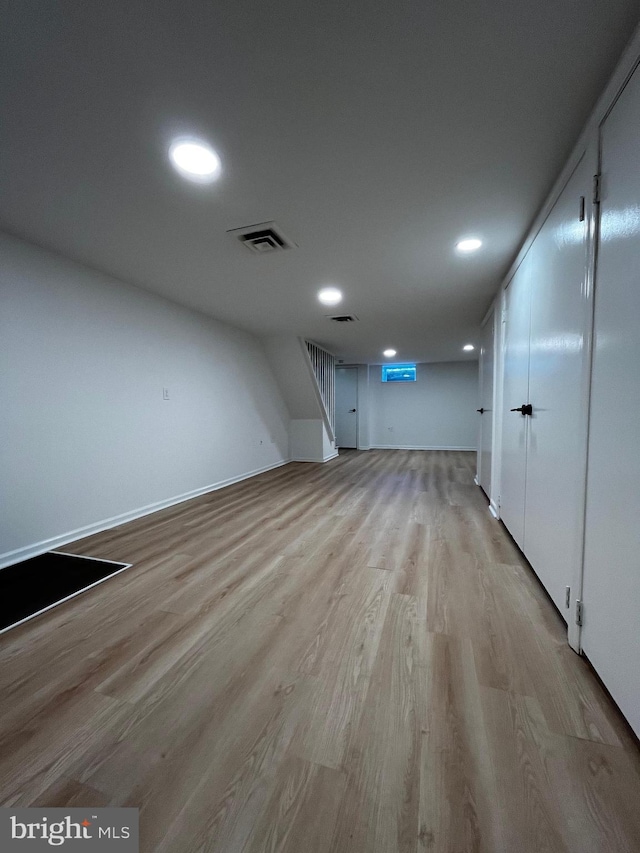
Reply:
x=593, y=152
x=353, y=367
x=491, y=317
x=498, y=393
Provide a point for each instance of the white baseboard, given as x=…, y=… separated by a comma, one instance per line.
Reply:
x=417, y=447
x=315, y=458
x=493, y=509
x=52, y=544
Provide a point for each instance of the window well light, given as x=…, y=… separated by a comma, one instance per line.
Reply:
x=468, y=347
x=469, y=244
x=398, y=373
x=330, y=296
x=195, y=160
x=389, y=353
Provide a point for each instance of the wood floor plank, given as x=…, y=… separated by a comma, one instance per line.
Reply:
x=343, y=668
x=67, y=793
x=380, y=807
x=343, y=658
x=521, y=748
x=52, y=742
x=457, y=775
x=586, y=778
x=230, y=763
x=300, y=810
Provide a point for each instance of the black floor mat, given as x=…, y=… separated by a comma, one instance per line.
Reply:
x=32, y=586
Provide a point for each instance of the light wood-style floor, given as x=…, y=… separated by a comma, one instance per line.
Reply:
x=349, y=657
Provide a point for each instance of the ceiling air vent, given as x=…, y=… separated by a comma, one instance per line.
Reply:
x=344, y=318
x=263, y=238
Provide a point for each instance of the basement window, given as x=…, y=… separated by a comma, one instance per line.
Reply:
x=398, y=373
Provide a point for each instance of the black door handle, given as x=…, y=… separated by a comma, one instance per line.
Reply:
x=481, y=411
x=524, y=409
x=351, y=410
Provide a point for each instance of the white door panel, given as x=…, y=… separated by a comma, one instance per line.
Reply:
x=554, y=501
x=611, y=583
x=516, y=392
x=346, y=407
x=486, y=404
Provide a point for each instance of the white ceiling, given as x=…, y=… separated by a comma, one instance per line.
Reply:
x=374, y=133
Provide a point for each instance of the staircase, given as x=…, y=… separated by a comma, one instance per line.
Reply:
x=322, y=365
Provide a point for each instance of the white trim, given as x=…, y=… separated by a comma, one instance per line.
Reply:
x=417, y=447
x=493, y=509
x=477, y=482
x=316, y=458
x=73, y=594
x=498, y=388
x=20, y=554
x=93, y=559
x=592, y=154
x=490, y=310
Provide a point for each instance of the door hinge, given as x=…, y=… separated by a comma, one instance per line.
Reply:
x=567, y=597
x=579, y=612
x=596, y=189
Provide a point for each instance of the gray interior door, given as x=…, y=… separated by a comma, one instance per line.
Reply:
x=347, y=406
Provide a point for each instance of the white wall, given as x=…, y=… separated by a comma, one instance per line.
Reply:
x=86, y=434
x=287, y=361
x=310, y=441
x=438, y=411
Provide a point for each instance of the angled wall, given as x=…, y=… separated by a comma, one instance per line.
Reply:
x=87, y=438
x=289, y=362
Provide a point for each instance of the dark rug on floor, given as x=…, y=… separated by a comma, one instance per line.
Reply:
x=32, y=586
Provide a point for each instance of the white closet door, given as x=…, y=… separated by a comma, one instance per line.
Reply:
x=516, y=393
x=560, y=312
x=611, y=583
x=486, y=405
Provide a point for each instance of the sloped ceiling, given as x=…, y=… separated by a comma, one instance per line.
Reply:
x=375, y=134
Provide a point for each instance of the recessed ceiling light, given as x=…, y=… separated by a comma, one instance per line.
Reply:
x=470, y=244
x=195, y=160
x=330, y=296
x=389, y=353
x=468, y=347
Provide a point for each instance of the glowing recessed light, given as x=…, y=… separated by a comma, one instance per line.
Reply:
x=195, y=160
x=330, y=296
x=468, y=347
x=389, y=353
x=471, y=244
